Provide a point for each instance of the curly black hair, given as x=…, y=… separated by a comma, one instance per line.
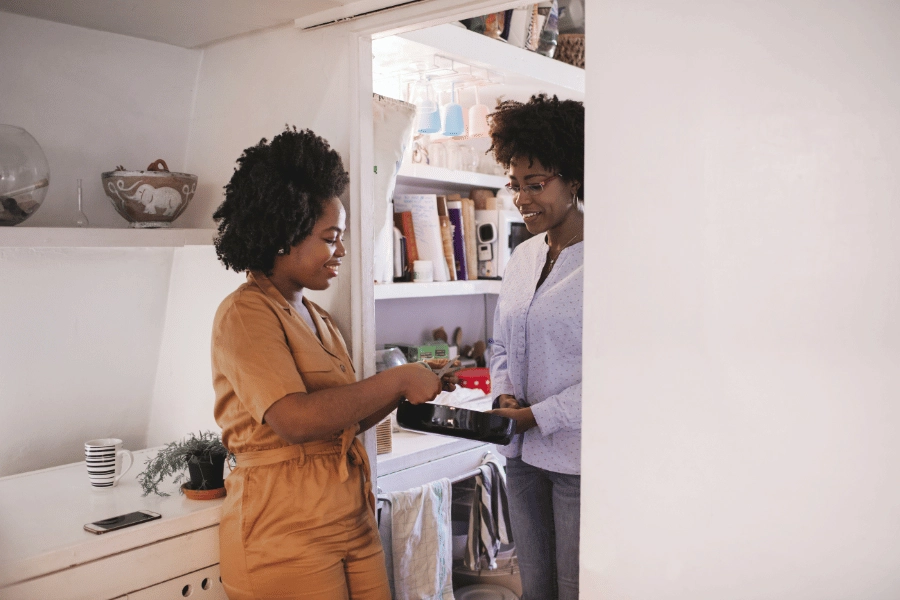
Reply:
x=277, y=193
x=547, y=129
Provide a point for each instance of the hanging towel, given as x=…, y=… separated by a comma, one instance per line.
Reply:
x=489, y=524
x=418, y=543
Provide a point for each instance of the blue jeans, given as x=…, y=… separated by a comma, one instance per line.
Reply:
x=545, y=510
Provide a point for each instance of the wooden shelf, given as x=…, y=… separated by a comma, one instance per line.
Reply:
x=95, y=237
x=393, y=291
x=424, y=174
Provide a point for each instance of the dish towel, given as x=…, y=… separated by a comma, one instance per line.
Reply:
x=489, y=524
x=418, y=542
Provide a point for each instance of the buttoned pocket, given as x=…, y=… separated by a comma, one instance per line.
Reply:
x=313, y=362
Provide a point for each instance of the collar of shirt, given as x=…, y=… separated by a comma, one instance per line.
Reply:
x=327, y=338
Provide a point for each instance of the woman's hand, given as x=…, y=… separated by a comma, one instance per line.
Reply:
x=523, y=417
x=507, y=401
x=449, y=378
x=419, y=383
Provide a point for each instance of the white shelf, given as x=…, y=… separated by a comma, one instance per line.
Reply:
x=93, y=237
x=424, y=174
x=393, y=291
x=520, y=68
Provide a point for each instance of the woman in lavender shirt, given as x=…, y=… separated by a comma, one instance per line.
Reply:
x=536, y=346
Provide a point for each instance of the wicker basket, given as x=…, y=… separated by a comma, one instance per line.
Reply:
x=383, y=437
x=570, y=49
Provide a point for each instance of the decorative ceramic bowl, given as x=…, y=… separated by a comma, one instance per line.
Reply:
x=151, y=198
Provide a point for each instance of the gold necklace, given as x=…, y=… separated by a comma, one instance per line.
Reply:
x=553, y=260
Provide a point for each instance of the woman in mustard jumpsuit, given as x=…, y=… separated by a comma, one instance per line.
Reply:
x=298, y=520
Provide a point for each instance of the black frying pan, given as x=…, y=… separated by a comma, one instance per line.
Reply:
x=456, y=422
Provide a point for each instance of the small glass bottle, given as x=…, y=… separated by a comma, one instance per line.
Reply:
x=81, y=219
x=550, y=32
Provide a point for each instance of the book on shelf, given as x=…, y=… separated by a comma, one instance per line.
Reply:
x=446, y=236
x=404, y=222
x=427, y=228
x=470, y=237
x=455, y=212
x=402, y=270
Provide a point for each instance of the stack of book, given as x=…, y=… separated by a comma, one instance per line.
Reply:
x=439, y=228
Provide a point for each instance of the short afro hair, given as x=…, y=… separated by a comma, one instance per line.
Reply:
x=545, y=129
x=275, y=196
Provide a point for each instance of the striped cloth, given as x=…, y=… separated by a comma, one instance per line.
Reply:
x=489, y=524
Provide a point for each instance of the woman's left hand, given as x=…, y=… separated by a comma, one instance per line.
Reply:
x=523, y=417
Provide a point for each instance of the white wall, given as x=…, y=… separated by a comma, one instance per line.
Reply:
x=412, y=320
x=247, y=89
x=79, y=342
x=113, y=342
x=743, y=303
x=81, y=328
x=93, y=100
x=250, y=88
x=183, y=397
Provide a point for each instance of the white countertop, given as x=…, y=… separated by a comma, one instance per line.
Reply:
x=410, y=449
x=42, y=515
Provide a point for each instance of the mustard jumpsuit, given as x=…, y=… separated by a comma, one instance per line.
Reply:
x=298, y=521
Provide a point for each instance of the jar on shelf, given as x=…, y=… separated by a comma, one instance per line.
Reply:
x=24, y=175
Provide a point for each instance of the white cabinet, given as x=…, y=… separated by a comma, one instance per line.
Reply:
x=173, y=568
x=419, y=458
x=205, y=584
x=408, y=312
x=47, y=554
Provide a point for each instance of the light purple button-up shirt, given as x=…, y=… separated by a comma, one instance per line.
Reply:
x=536, y=352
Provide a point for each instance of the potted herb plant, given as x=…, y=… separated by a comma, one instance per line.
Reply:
x=202, y=455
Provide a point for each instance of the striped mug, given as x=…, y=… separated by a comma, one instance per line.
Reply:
x=104, y=461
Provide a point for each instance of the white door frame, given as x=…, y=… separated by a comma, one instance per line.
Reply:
x=360, y=33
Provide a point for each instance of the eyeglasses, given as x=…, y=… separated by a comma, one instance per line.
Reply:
x=531, y=189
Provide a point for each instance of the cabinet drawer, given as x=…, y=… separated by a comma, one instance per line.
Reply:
x=199, y=585
x=120, y=574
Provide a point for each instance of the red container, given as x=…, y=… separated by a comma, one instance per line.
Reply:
x=479, y=377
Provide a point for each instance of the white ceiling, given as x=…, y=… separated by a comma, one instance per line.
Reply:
x=185, y=23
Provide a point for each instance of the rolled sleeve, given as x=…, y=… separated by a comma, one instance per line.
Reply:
x=251, y=351
x=500, y=380
x=561, y=411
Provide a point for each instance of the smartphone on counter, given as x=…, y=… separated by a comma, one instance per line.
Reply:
x=122, y=521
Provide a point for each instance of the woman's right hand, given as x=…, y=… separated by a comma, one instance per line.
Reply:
x=419, y=383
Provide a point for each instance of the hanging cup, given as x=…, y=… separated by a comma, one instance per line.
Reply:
x=478, y=125
x=428, y=118
x=453, y=116
x=430, y=122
